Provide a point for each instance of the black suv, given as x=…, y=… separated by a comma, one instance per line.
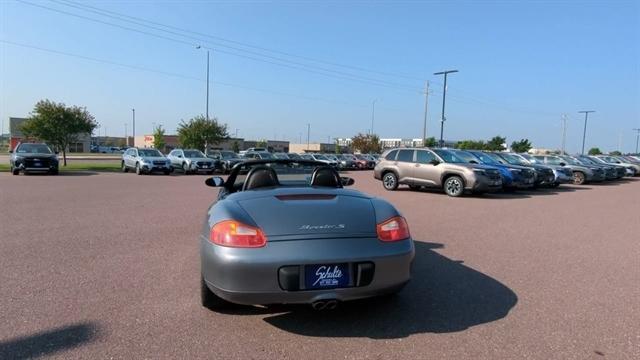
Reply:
x=33, y=157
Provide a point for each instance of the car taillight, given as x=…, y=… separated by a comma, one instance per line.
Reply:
x=236, y=234
x=394, y=229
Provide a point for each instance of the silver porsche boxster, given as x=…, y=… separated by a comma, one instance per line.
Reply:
x=287, y=231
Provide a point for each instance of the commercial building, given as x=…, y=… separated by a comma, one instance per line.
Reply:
x=15, y=136
x=272, y=145
x=316, y=148
x=146, y=141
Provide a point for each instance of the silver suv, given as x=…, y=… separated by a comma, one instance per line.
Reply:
x=145, y=161
x=439, y=168
x=191, y=161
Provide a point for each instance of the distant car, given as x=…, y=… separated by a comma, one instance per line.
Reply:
x=33, y=158
x=611, y=171
x=258, y=155
x=225, y=159
x=288, y=232
x=435, y=168
x=582, y=173
x=620, y=161
x=513, y=176
x=191, y=161
x=324, y=159
x=543, y=174
x=365, y=161
x=561, y=173
x=253, y=149
x=145, y=161
x=294, y=156
x=346, y=162
x=281, y=156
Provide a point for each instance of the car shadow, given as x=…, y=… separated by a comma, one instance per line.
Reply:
x=46, y=343
x=443, y=296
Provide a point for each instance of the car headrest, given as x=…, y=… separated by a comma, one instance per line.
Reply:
x=260, y=176
x=326, y=177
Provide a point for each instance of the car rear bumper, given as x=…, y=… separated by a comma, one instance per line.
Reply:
x=252, y=276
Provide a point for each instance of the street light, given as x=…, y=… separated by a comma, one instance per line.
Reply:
x=584, y=133
x=637, y=139
x=207, y=107
x=373, y=113
x=133, y=132
x=444, y=97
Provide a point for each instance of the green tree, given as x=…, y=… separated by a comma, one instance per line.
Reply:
x=158, y=138
x=615, y=153
x=58, y=125
x=496, y=143
x=366, y=143
x=261, y=143
x=471, y=145
x=337, y=148
x=235, y=147
x=200, y=133
x=521, y=146
x=430, y=142
x=595, y=151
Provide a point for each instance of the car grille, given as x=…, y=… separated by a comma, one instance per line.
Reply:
x=31, y=163
x=161, y=163
x=203, y=163
x=493, y=174
x=526, y=173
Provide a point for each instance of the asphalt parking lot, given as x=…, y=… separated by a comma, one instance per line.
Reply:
x=106, y=266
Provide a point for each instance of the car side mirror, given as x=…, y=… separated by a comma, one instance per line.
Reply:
x=347, y=181
x=434, y=162
x=215, y=181
x=563, y=164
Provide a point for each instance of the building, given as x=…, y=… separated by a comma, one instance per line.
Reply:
x=146, y=141
x=315, y=148
x=15, y=136
x=390, y=143
x=231, y=144
x=272, y=145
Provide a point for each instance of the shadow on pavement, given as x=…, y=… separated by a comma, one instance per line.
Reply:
x=443, y=296
x=48, y=342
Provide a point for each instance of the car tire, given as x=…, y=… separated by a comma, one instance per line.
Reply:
x=210, y=300
x=125, y=169
x=15, y=171
x=390, y=181
x=138, y=169
x=185, y=168
x=579, y=178
x=454, y=186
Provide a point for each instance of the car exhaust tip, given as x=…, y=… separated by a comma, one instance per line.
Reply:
x=324, y=305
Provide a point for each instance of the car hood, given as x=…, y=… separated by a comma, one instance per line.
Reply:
x=476, y=166
x=154, y=158
x=200, y=159
x=321, y=214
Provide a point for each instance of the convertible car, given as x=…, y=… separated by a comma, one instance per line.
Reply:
x=287, y=231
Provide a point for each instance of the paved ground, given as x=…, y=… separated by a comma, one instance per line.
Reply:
x=106, y=266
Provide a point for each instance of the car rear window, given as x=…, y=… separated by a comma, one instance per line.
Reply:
x=405, y=155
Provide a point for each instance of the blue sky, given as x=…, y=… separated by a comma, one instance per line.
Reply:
x=522, y=65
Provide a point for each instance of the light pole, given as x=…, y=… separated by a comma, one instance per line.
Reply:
x=207, y=107
x=373, y=113
x=133, y=132
x=637, y=139
x=564, y=133
x=308, y=133
x=444, y=97
x=426, y=106
x=126, y=138
x=584, y=133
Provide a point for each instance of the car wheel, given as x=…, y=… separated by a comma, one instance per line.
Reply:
x=454, y=186
x=15, y=171
x=210, y=300
x=124, y=168
x=578, y=178
x=185, y=168
x=138, y=169
x=390, y=181
x=414, y=187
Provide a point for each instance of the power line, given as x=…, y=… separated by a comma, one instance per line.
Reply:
x=275, y=61
x=238, y=42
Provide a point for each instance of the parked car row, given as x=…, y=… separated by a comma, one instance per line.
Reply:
x=459, y=171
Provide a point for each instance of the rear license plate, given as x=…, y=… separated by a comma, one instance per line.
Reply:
x=326, y=276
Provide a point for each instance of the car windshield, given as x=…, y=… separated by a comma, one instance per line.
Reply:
x=33, y=149
x=280, y=156
x=485, y=158
x=291, y=173
x=512, y=159
x=552, y=160
x=149, y=153
x=229, y=155
x=266, y=155
x=449, y=156
x=193, y=154
x=320, y=157
x=587, y=160
x=496, y=158
x=467, y=157
x=570, y=160
x=349, y=157
x=294, y=156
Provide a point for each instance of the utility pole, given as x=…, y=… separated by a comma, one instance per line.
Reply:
x=426, y=106
x=236, y=136
x=207, y=106
x=564, y=133
x=584, y=133
x=373, y=113
x=126, y=138
x=133, y=111
x=308, y=132
x=637, y=139
x=444, y=97
x=620, y=141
